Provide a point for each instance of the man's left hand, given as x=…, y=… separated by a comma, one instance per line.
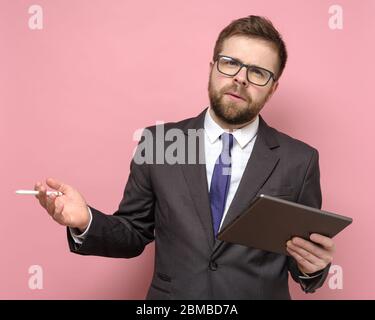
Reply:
x=311, y=256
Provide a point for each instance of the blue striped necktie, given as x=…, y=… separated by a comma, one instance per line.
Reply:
x=220, y=181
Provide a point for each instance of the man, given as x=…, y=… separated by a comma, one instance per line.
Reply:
x=183, y=205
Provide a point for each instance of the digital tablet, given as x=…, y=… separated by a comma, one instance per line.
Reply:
x=270, y=222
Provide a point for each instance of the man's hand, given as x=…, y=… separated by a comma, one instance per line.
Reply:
x=69, y=210
x=311, y=256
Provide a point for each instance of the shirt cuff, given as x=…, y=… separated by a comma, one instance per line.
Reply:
x=75, y=233
x=312, y=276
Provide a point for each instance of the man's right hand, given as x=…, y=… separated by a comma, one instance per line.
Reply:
x=69, y=210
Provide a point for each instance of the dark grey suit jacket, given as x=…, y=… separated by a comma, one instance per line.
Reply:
x=170, y=204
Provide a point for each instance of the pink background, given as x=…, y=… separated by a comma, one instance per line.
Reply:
x=72, y=94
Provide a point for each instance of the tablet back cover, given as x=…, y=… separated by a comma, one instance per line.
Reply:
x=270, y=222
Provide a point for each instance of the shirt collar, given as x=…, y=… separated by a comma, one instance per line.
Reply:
x=243, y=135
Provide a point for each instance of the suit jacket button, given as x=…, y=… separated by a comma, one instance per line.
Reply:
x=213, y=266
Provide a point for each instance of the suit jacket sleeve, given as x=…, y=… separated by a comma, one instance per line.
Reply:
x=310, y=195
x=125, y=233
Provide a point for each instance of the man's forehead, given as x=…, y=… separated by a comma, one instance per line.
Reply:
x=253, y=51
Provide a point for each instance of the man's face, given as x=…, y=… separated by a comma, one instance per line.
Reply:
x=222, y=89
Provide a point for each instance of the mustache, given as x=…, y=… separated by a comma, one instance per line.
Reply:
x=236, y=90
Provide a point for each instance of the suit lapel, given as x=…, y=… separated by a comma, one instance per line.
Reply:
x=196, y=176
x=259, y=167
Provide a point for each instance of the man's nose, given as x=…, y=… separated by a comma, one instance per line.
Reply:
x=241, y=77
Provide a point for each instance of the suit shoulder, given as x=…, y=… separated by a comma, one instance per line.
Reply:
x=292, y=144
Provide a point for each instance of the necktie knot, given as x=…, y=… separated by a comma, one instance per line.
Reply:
x=227, y=139
x=225, y=156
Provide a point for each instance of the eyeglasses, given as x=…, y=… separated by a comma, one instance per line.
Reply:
x=256, y=75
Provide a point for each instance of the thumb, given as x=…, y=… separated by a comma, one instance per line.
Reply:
x=57, y=185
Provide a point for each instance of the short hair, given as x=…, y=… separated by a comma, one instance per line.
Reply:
x=254, y=27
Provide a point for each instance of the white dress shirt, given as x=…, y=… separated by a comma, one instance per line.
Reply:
x=243, y=143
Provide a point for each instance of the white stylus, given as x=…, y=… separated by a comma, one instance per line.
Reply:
x=34, y=192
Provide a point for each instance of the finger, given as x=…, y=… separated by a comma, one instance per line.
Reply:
x=57, y=185
x=307, y=255
x=307, y=266
x=42, y=196
x=36, y=188
x=309, y=246
x=326, y=242
x=51, y=204
x=59, y=206
x=58, y=213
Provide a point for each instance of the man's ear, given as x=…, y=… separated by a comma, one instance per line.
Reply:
x=275, y=86
x=273, y=89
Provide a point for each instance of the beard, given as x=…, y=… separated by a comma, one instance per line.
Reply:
x=234, y=112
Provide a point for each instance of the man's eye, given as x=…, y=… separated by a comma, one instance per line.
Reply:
x=231, y=62
x=257, y=72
